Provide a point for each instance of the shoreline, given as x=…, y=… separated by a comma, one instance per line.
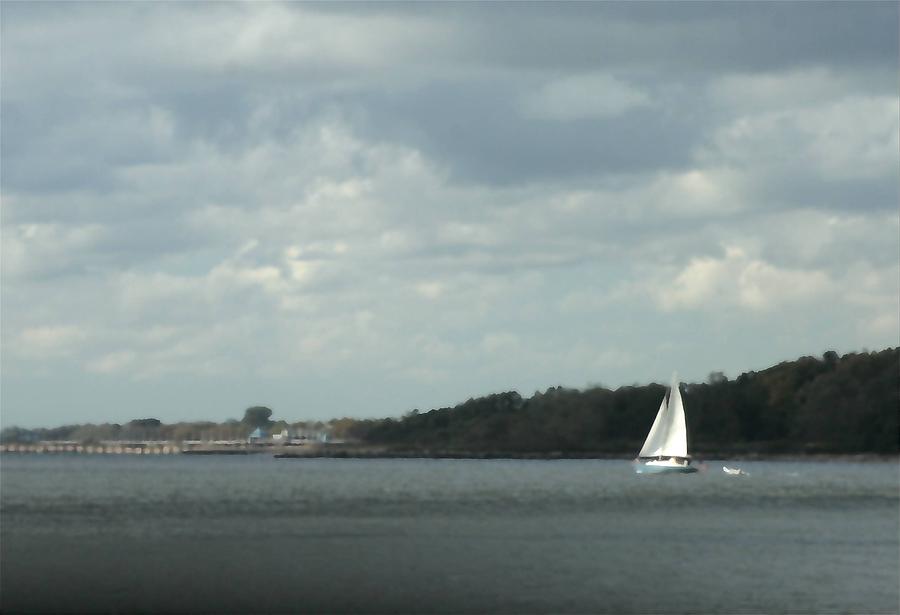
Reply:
x=560, y=455
x=361, y=451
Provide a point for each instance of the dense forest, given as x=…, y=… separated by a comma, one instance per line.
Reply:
x=832, y=404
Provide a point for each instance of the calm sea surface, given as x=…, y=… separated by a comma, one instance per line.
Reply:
x=256, y=534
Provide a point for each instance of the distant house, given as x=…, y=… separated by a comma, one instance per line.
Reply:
x=282, y=437
x=257, y=435
x=301, y=435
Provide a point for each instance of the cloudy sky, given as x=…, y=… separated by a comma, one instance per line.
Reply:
x=342, y=209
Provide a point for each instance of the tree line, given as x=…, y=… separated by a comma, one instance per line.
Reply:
x=151, y=429
x=832, y=404
x=828, y=404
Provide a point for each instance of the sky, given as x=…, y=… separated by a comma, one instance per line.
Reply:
x=361, y=209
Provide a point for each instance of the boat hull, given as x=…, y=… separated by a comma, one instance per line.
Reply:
x=643, y=468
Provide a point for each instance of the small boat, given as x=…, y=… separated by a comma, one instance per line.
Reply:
x=734, y=471
x=665, y=449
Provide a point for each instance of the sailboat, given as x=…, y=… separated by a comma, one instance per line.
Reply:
x=665, y=449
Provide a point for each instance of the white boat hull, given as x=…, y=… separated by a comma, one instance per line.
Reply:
x=663, y=468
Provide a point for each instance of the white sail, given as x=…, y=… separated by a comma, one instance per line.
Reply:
x=676, y=434
x=657, y=436
x=668, y=435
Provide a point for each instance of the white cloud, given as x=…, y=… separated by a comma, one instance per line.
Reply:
x=789, y=89
x=111, y=363
x=882, y=326
x=583, y=97
x=694, y=193
x=281, y=36
x=51, y=340
x=42, y=249
x=430, y=290
x=500, y=342
x=741, y=281
x=854, y=137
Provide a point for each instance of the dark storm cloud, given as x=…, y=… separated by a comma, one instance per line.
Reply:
x=477, y=130
x=812, y=191
x=690, y=36
x=471, y=123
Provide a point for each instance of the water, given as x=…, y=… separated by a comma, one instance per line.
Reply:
x=255, y=534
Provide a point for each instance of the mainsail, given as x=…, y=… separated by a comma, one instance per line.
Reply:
x=668, y=435
x=676, y=436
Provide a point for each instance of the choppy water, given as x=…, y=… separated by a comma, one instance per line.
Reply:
x=257, y=534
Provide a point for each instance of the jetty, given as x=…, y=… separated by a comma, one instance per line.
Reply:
x=109, y=448
x=190, y=447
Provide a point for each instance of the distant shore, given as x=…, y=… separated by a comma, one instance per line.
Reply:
x=370, y=451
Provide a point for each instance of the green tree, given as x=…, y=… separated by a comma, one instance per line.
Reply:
x=257, y=416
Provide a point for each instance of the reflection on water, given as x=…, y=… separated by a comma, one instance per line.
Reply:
x=258, y=534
